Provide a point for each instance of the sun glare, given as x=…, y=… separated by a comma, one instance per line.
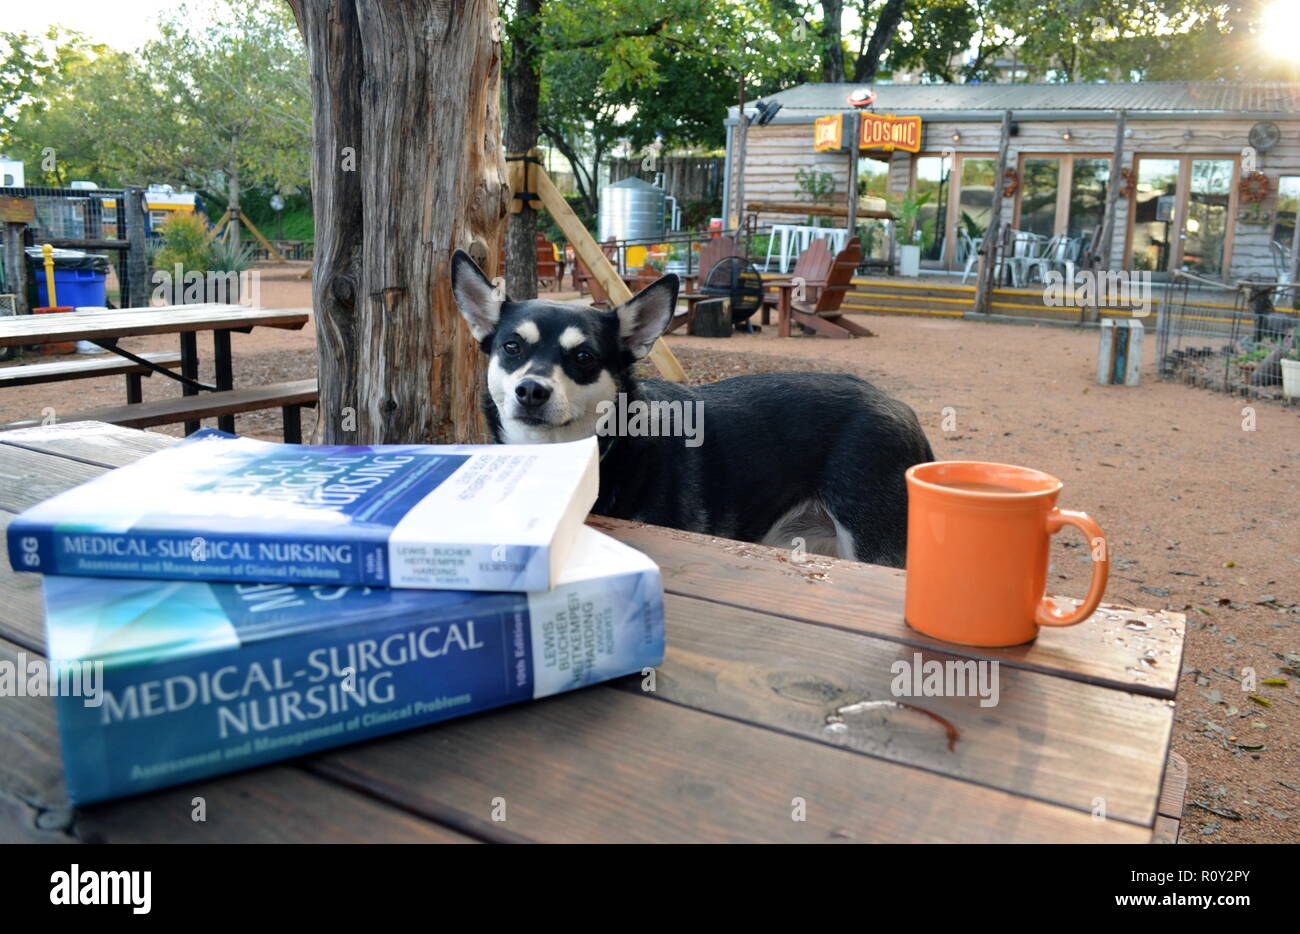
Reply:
x=1280, y=26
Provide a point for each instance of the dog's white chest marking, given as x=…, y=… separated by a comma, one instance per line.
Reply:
x=810, y=527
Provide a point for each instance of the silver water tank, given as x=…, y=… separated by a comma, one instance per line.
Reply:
x=632, y=210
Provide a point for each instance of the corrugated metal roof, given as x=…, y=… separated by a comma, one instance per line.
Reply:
x=1274, y=97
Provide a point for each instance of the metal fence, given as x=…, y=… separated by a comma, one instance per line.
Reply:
x=1225, y=337
x=95, y=220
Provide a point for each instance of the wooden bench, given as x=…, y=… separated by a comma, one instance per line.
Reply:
x=29, y=374
x=289, y=396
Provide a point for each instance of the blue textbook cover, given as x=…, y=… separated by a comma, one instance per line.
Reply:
x=183, y=680
x=215, y=507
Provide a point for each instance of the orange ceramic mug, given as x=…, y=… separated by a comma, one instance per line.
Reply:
x=977, y=544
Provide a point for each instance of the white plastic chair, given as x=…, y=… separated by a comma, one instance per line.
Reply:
x=786, y=232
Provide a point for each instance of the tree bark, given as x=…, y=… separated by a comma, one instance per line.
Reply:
x=406, y=168
x=832, y=41
x=522, y=97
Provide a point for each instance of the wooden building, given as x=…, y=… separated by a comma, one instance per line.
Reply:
x=1187, y=195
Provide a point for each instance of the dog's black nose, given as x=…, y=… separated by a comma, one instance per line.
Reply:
x=532, y=394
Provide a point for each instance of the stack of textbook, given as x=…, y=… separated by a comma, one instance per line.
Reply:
x=247, y=601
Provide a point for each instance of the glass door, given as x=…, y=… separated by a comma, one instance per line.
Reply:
x=975, y=197
x=873, y=195
x=932, y=178
x=1205, y=231
x=1039, y=193
x=1087, y=196
x=1154, y=214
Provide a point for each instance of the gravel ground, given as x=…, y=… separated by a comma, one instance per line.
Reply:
x=1199, y=495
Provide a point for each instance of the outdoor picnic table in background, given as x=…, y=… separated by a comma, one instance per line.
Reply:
x=771, y=719
x=105, y=328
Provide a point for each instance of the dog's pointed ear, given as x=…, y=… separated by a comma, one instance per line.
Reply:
x=478, y=299
x=644, y=316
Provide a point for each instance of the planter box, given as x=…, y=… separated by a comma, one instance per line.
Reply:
x=909, y=260
x=1291, y=378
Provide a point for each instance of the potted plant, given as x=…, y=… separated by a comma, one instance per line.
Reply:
x=676, y=259
x=1291, y=366
x=907, y=211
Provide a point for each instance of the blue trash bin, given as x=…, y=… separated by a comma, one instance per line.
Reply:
x=80, y=279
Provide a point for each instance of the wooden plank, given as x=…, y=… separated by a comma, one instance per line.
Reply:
x=1173, y=788
x=33, y=804
x=603, y=764
x=20, y=330
x=22, y=613
x=90, y=442
x=28, y=477
x=30, y=374
x=275, y=804
x=203, y=405
x=1120, y=647
x=1045, y=737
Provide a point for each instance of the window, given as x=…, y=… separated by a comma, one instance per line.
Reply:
x=1288, y=201
x=1089, y=182
x=1038, y=195
x=1180, y=214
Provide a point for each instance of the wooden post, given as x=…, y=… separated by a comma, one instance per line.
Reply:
x=586, y=247
x=1102, y=260
x=135, y=291
x=406, y=168
x=15, y=260
x=855, y=128
x=1101, y=249
x=988, y=248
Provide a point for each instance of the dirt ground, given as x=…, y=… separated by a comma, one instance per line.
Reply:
x=1199, y=495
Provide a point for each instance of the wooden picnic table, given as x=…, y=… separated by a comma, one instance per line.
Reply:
x=771, y=719
x=106, y=328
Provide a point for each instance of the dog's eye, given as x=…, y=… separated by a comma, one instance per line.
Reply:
x=511, y=347
x=584, y=358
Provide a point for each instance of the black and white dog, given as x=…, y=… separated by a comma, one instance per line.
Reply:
x=771, y=458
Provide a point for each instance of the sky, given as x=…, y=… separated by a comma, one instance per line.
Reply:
x=122, y=24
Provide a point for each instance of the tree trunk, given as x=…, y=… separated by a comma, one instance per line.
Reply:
x=232, y=202
x=832, y=41
x=522, y=94
x=868, y=62
x=406, y=167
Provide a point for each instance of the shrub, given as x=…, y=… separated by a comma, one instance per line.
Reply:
x=184, y=241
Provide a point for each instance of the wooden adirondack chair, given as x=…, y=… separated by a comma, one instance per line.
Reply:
x=824, y=317
x=548, y=269
x=813, y=266
x=714, y=252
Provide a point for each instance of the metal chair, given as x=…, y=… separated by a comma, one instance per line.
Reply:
x=971, y=248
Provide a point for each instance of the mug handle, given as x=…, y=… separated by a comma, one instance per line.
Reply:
x=1047, y=613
